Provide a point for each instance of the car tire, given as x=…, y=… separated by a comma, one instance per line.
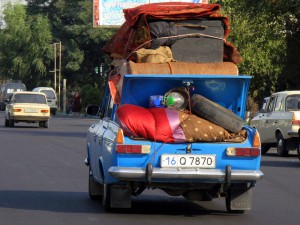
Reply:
x=216, y=113
x=46, y=124
x=298, y=148
x=95, y=189
x=264, y=148
x=281, y=146
x=6, y=122
x=106, y=197
x=11, y=122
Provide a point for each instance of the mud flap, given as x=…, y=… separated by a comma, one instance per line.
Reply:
x=240, y=199
x=120, y=197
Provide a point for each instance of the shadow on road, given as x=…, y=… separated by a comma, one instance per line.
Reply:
x=79, y=202
x=73, y=202
x=272, y=160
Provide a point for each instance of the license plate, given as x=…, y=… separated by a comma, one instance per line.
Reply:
x=198, y=161
x=31, y=110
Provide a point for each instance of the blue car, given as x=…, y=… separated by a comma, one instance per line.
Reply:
x=124, y=159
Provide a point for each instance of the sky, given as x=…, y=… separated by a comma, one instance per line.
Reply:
x=3, y=2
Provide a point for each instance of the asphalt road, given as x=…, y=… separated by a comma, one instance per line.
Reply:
x=43, y=180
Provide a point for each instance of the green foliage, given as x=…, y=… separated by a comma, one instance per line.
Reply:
x=90, y=96
x=24, y=45
x=259, y=31
x=32, y=37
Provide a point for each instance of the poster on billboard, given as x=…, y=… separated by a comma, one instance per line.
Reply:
x=109, y=13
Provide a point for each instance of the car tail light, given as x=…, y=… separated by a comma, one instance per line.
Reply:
x=294, y=120
x=17, y=110
x=133, y=149
x=120, y=137
x=243, y=151
x=252, y=151
x=44, y=111
x=256, y=140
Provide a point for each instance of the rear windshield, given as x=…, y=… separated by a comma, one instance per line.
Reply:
x=30, y=98
x=49, y=93
x=9, y=88
x=293, y=103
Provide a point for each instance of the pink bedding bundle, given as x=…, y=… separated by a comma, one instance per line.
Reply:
x=171, y=126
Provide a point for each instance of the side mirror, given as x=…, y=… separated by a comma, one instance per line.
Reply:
x=93, y=110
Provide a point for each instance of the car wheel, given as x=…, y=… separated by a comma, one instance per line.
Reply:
x=298, y=148
x=228, y=205
x=216, y=113
x=106, y=197
x=264, y=148
x=6, y=122
x=281, y=146
x=46, y=124
x=11, y=122
x=95, y=189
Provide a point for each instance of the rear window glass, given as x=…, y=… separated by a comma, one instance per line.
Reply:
x=293, y=103
x=30, y=98
x=50, y=94
x=9, y=88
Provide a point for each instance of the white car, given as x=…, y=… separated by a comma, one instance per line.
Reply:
x=29, y=107
x=279, y=122
x=51, y=97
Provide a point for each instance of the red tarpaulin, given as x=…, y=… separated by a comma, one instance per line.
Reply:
x=135, y=33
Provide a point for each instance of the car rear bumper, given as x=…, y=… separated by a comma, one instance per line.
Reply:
x=173, y=174
x=30, y=118
x=293, y=133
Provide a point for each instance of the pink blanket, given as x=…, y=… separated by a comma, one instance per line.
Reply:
x=171, y=126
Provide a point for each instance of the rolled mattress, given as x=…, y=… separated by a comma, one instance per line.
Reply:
x=217, y=68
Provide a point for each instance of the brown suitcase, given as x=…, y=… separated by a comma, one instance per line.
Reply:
x=208, y=48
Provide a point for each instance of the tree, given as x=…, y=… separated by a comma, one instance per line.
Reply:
x=25, y=45
x=71, y=23
x=258, y=30
x=290, y=75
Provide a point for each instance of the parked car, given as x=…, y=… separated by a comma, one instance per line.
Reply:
x=29, y=107
x=51, y=97
x=7, y=89
x=278, y=124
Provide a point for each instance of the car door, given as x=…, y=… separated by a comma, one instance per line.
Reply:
x=9, y=106
x=100, y=148
x=279, y=117
x=94, y=137
x=266, y=123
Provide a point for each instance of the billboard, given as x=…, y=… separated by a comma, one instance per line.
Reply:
x=109, y=13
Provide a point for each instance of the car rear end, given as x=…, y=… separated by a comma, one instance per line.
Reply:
x=28, y=107
x=292, y=103
x=196, y=170
x=188, y=162
x=30, y=112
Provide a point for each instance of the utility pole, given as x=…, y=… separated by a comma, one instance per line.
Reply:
x=59, y=72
